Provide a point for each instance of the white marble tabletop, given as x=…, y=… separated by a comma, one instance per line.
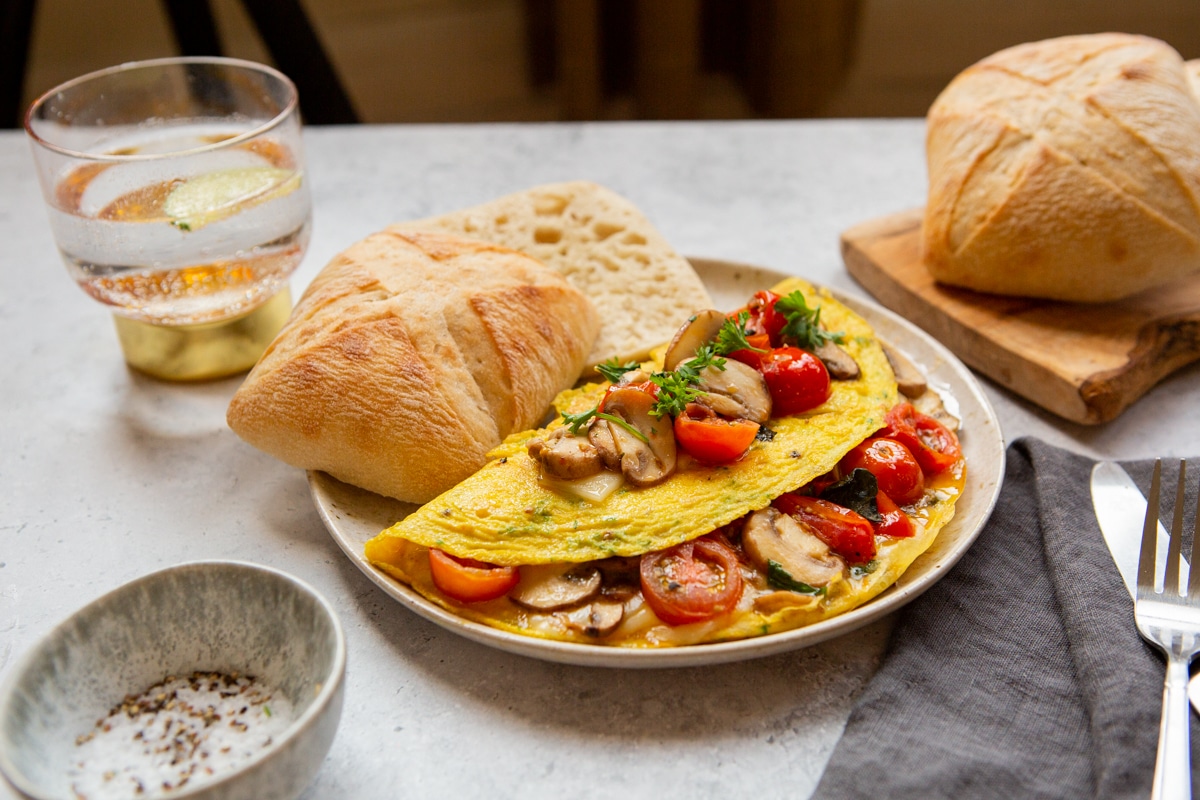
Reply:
x=107, y=475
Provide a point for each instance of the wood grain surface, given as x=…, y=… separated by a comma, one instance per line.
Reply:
x=1086, y=363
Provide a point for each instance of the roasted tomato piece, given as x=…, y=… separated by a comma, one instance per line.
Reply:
x=935, y=446
x=763, y=318
x=649, y=387
x=713, y=439
x=896, y=523
x=895, y=469
x=691, y=582
x=753, y=358
x=797, y=379
x=468, y=580
x=847, y=532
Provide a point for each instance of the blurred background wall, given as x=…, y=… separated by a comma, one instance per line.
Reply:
x=490, y=60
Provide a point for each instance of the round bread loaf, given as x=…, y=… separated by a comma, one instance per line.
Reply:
x=1066, y=169
x=409, y=357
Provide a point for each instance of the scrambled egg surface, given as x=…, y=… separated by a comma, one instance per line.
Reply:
x=505, y=515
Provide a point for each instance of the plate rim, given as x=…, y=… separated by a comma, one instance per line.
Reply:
x=891, y=600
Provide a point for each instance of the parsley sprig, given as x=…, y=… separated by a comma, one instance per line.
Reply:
x=575, y=422
x=804, y=323
x=612, y=370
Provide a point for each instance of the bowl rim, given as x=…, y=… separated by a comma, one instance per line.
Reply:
x=329, y=687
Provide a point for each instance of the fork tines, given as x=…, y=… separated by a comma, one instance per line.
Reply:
x=1147, y=583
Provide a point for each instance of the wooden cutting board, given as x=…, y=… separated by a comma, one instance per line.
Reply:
x=1086, y=363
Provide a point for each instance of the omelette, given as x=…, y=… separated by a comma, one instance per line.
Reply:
x=770, y=519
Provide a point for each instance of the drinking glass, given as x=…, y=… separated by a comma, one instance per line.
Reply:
x=177, y=197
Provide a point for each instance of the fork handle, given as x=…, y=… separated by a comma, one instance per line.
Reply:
x=1173, y=771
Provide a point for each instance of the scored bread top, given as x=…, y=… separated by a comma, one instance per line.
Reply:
x=1066, y=169
x=409, y=357
x=642, y=289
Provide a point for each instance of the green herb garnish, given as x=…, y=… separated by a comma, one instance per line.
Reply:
x=675, y=390
x=803, y=324
x=857, y=492
x=575, y=422
x=859, y=570
x=612, y=370
x=780, y=578
x=732, y=336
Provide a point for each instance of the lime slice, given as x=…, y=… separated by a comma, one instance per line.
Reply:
x=213, y=196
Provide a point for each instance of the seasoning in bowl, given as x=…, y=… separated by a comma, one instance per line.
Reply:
x=178, y=732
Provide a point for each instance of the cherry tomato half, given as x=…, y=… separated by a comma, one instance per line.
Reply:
x=649, y=387
x=712, y=439
x=468, y=580
x=753, y=358
x=896, y=523
x=797, y=379
x=763, y=316
x=691, y=582
x=934, y=445
x=847, y=532
x=895, y=469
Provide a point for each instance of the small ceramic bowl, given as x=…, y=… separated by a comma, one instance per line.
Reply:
x=215, y=616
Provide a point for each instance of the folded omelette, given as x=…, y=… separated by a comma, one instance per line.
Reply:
x=593, y=568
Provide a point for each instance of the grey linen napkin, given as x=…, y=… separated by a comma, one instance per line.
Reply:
x=1020, y=673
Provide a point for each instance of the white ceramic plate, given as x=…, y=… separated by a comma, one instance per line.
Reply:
x=354, y=515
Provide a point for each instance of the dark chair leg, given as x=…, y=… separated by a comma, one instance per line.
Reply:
x=194, y=27
x=297, y=51
x=16, y=27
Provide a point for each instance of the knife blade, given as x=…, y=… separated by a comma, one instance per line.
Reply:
x=1121, y=512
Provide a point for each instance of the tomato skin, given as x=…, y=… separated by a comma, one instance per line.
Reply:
x=763, y=316
x=847, y=532
x=691, y=582
x=468, y=580
x=895, y=469
x=711, y=439
x=753, y=358
x=896, y=523
x=649, y=387
x=797, y=379
x=935, y=446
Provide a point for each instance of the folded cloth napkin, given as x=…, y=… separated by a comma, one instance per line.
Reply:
x=1020, y=673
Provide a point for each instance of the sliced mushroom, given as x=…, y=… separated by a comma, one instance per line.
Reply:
x=931, y=404
x=596, y=619
x=548, y=587
x=566, y=456
x=632, y=377
x=909, y=379
x=772, y=536
x=602, y=439
x=841, y=365
x=736, y=391
x=644, y=463
x=700, y=329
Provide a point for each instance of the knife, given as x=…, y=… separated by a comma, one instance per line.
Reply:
x=1121, y=512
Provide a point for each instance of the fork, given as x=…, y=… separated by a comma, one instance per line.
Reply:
x=1170, y=620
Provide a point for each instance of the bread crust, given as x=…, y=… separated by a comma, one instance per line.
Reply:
x=409, y=357
x=1066, y=169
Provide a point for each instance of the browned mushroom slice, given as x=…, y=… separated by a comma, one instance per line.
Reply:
x=931, y=404
x=841, y=365
x=700, y=329
x=565, y=456
x=736, y=391
x=909, y=379
x=548, y=587
x=596, y=619
x=645, y=459
x=775, y=541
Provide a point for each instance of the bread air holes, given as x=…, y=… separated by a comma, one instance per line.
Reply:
x=634, y=238
x=603, y=230
x=547, y=235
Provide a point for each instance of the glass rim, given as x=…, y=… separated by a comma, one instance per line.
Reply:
x=253, y=66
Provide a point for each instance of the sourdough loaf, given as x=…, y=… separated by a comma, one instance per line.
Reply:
x=604, y=246
x=409, y=357
x=1066, y=169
